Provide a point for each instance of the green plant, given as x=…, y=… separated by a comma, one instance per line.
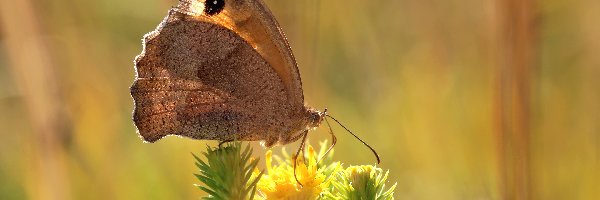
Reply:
x=363, y=182
x=232, y=174
x=228, y=172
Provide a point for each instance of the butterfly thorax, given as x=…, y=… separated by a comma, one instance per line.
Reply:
x=310, y=118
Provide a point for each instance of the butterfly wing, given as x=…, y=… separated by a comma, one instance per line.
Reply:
x=253, y=21
x=201, y=80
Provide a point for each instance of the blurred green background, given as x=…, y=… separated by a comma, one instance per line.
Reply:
x=493, y=99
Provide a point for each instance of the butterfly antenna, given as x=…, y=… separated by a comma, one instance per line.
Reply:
x=333, y=139
x=373, y=150
x=300, y=149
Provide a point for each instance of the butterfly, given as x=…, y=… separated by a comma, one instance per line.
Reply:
x=221, y=70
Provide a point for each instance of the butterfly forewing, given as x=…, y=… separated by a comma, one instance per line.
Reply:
x=201, y=80
x=253, y=21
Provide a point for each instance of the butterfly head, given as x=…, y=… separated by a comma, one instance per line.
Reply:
x=315, y=117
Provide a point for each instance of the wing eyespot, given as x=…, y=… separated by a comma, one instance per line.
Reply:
x=213, y=7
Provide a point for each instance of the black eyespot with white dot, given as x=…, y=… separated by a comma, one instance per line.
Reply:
x=213, y=7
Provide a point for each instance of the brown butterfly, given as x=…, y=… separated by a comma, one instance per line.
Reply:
x=221, y=70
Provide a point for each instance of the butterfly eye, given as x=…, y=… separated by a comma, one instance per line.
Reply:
x=213, y=7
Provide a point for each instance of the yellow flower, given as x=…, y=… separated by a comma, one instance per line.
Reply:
x=280, y=183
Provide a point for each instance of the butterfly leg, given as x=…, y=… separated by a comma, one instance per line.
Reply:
x=333, y=140
x=223, y=142
x=295, y=158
